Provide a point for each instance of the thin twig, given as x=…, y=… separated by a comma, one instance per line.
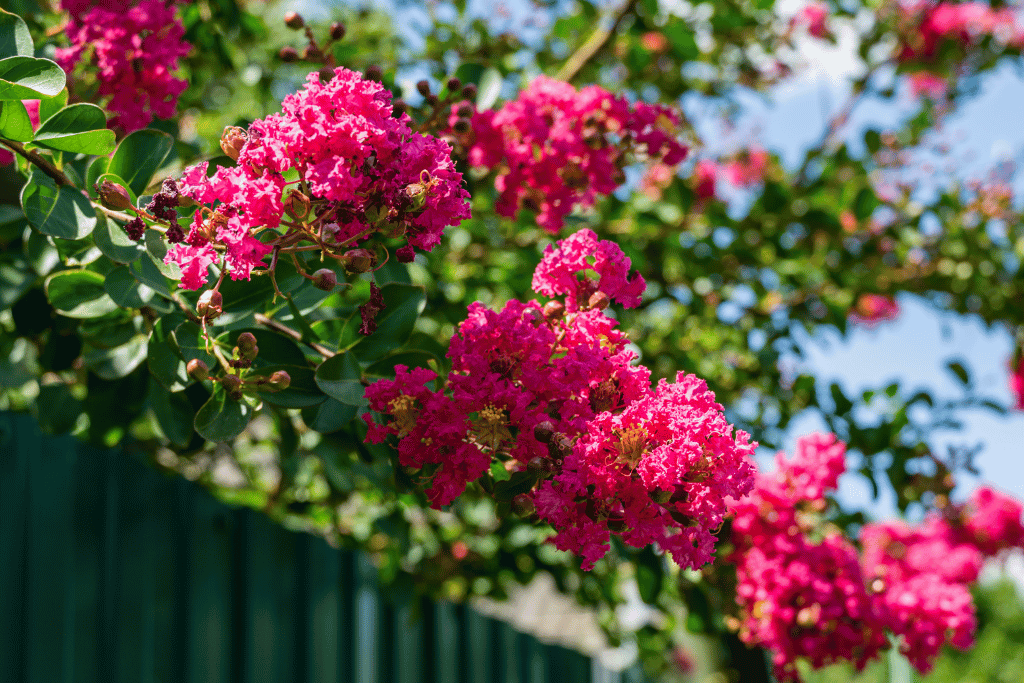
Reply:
x=594, y=44
x=39, y=160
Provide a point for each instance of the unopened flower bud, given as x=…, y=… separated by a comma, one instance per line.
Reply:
x=539, y=466
x=232, y=140
x=279, y=380
x=246, y=341
x=599, y=300
x=337, y=30
x=232, y=385
x=554, y=310
x=326, y=74
x=461, y=126
x=523, y=505
x=431, y=99
x=288, y=54
x=294, y=20
x=325, y=279
x=312, y=53
x=464, y=110
x=296, y=204
x=469, y=92
x=560, y=446
x=399, y=107
x=197, y=369
x=454, y=84
x=423, y=87
x=210, y=304
x=113, y=196
x=374, y=73
x=359, y=260
x=544, y=431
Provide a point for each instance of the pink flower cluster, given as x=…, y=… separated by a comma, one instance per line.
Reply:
x=821, y=601
x=744, y=169
x=1017, y=384
x=133, y=53
x=813, y=17
x=551, y=394
x=366, y=172
x=555, y=147
x=872, y=309
x=32, y=106
x=962, y=22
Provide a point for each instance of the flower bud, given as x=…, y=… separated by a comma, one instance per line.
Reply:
x=113, y=196
x=246, y=341
x=469, y=92
x=294, y=20
x=423, y=87
x=210, y=304
x=279, y=380
x=288, y=54
x=359, y=260
x=523, y=505
x=399, y=107
x=327, y=74
x=454, y=84
x=464, y=110
x=312, y=53
x=599, y=300
x=296, y=204
x=461, y=126
x=560, y=446
x=374, y=73
x=197, y=369
x=232, y=140
x=554, y=310
x=539, y=466
x=431, y=99
x=544, y=431
x=325, y=279
x=232, y=385
x=337, y=30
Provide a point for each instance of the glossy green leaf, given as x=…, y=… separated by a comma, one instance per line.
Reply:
x=302, y=392
x=329, y=416
x=189, y=343
x=124, y=289
x=60, y=212
x=113, y=241
x=162, y=358
x=28, y=78
x=15, y=38
x=274, y=348
x=339, y=377
x=14, y=121
x=48, y=106
x=147, y=271
x=79, y=294
x=139, y=156
x=119, y=361
x=222, y=418
x=488, y=89
x=173, y=413
x=79, y=129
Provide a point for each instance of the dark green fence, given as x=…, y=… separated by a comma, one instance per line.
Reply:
x=112, y=572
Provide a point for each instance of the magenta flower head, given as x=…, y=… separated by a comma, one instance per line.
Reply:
x=582, y=253
x=367, y=172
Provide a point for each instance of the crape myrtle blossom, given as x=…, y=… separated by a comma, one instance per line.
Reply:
x=1017, y=382
x=872, y=309
x=132, y=52
x=555, y=147
x=361, y=171
x=925, y=25
x=805, y=592
x=551, y=394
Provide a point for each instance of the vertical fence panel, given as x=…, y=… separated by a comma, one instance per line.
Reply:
x=14, y=457
x=49, y=585
x=114, y=573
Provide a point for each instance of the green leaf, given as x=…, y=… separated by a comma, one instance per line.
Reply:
x=97, y=167
x=499, y=473
x=173, y=413
x=960, y=372
x=274, y=348
x=48, y=106
x=114, y=242
x=489, y=88
x=329, y=416
x=302, y=392
x=16, y=277
x=188, y=340
x=14, y=36
x=222, y=418
x=163, y=360
x=15, y=123
x=124, y=289
x=147, y=271
x=339, y=377
x=79, y=294
x=410, y=359
x=139, y=156
x=79, y=129
x=119, y=361
x=395, y=323
x=28, y=78
x=60, y=212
